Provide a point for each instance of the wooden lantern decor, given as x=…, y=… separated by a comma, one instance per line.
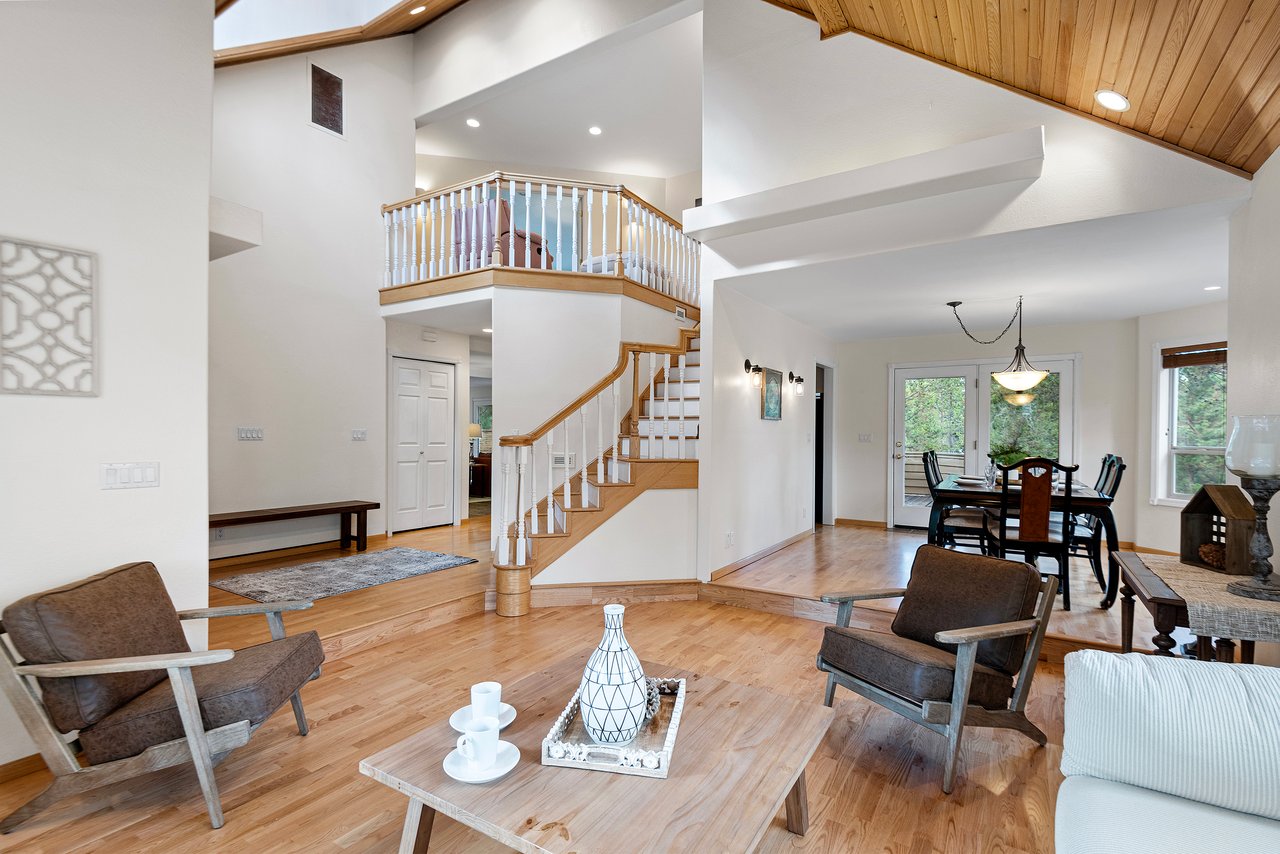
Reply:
x=1217, y=524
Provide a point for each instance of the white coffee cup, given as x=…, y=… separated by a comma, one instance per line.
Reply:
x=486, y=699
x=479, y=744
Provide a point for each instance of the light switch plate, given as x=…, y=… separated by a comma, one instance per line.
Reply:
x=360, y=435
x=129, y=475
x=250, y=434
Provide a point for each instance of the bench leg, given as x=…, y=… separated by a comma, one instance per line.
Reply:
x=345, y=531
x=362, y=530
x=797, y=805
x=417, y=828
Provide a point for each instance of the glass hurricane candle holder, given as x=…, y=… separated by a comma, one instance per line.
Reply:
x=1253, y=453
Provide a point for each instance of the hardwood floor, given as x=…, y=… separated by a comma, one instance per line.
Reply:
x=873, y=784
x=846, y=558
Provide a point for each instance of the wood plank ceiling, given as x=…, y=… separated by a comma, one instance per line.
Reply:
x=1202, y=76
x=397, y=20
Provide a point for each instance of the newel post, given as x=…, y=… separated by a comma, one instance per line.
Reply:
x=633, y=447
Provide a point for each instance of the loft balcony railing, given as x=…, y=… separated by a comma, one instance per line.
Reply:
x=548, y=225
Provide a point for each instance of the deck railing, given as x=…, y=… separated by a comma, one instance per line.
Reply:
x=536, y=223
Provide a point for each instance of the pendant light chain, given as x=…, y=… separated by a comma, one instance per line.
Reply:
x=1017, y=313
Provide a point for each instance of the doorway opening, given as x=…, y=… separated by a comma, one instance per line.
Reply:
x=823, y=447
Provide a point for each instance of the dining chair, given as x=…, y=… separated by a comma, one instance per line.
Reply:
x=961, y=651
x=1028, y=524
x=955, y=523
x=1086, y=534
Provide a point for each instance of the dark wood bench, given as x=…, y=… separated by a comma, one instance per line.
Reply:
x=347, y=509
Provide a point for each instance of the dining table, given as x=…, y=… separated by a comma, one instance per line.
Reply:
x=1084, y=501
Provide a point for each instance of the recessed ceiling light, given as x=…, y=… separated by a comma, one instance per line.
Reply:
x=1111, y=99
x=417, y=10
x=488, y=330
x=473, y=123
x=594, y=130
x=1214, y=288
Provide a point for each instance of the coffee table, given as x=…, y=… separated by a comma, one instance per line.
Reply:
x=740, y=754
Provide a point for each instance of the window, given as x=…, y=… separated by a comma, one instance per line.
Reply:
x=1194, y=380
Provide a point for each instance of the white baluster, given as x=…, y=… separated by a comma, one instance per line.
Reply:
x=413, y=235
x=582, y=456
x=600, y=478
x=511, y=203
x=543, y=231
x=631, y=235
x=504, y=542
x=681, y=362
x=453, y=232
x=431, y=216
x=486, y=252
x=573, y=265
x=533, y=489
x=473, y=214
x=604, y=230
x=559, y=248
x=613, y=430
x=551, y=481
x=590, y=213
x=395, y=247
x=653, y=401
x=568, y=488
x=386, y=228
x=666, y=401
x=521, y=542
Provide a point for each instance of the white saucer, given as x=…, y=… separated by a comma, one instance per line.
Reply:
x=460, y=769
x=458, y=720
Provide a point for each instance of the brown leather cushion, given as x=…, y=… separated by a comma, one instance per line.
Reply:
x=121, y=612
x=909, y=669
x=249, y=687
x=956, y=590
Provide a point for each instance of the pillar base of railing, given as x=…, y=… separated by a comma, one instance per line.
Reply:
x=514, y=590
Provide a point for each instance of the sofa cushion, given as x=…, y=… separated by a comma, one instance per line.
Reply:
x=909, y=669
x=959, y=590
x=1200, y=730
x=121, y=612
x=249, y=687
x=1101, y=817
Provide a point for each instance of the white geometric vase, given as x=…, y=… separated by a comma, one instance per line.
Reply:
x=614, y=691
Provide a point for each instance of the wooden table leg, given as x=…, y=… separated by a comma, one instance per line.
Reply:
x=344, y=531
x=1126, y=619
x=362, y=530
x=1246, y=652
x=1113, y=564
x=1163, y=640
x=1204, y=648
x=1226, y=650
x=417, y=828
x=797, y=804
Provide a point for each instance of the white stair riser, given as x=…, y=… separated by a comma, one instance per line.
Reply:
x=691, y=372
x=658, y=449
x=658, y=408
x=648, y=427
x=619, y=471
x=675, y=391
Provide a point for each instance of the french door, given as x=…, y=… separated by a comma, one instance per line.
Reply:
x=962, y=414
x=423, y=472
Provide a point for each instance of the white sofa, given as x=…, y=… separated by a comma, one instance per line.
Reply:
x=1168, y=755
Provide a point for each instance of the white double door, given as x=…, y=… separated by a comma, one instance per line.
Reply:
x=423, y=470
x=958, y=412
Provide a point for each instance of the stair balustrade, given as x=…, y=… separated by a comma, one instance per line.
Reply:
x=638, y=412
x=538, y=224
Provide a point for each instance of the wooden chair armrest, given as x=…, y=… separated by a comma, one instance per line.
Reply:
x=981, y=633
x=864, y=595
x=128, y=664
x=243, y=610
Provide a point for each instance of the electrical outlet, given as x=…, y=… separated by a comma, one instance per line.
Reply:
x=728, y=539
x=360, y=435
x=219, y=533
x=864, y=438
x=250, y=434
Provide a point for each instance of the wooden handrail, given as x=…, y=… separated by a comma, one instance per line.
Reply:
x=625, y=349
x=633, y=197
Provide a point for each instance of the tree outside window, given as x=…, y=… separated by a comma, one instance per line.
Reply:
x=1197, y=427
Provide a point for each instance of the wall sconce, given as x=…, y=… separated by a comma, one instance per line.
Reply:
x=757, y=373
x=796, y=381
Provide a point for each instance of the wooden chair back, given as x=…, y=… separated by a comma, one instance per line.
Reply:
x=1035, y=499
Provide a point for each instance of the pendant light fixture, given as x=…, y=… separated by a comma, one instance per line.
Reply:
x=1021, y=375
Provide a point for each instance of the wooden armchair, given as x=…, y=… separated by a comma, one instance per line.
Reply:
x=962, y=651
x=113, y=666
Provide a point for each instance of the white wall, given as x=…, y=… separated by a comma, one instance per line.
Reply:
x=1105, y=422
x=452, y=66
x=755, y=477
x=1158, y=526
x=297, y=345
x=141, y=202
x=653, y=538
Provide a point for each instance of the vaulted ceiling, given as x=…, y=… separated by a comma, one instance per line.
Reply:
x=1202, y=76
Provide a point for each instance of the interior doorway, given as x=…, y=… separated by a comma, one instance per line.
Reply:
x=423, y=469
x=823, y=446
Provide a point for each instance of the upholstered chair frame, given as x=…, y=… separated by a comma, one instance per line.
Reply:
x=950, y=718
x=202, y=748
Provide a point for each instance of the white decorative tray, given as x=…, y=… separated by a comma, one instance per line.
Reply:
x=648, y=755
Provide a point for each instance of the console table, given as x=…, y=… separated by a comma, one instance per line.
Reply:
x=1168, y=611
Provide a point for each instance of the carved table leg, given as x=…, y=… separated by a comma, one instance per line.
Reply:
x=1204, y=648
x=798, y=807
x=417, y=828
x=1226, y=650
x=1113, y=563
x=1164, y=620
x=1126, y=619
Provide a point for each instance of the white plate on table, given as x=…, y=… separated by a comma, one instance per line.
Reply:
x=971, y=481
x=459, y=719
x=457, y=767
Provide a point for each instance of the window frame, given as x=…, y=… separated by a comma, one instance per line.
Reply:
x=1164, y=451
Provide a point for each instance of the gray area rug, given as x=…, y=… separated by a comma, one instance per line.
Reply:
x=342, y=575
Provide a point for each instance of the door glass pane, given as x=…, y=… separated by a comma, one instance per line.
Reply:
x=1029, y=430
x=932, y=420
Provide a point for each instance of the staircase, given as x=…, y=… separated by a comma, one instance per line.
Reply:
x=561, y=482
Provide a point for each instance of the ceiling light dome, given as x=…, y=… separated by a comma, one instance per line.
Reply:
x=594, y=130
x=473, y=123
x=1111, y=100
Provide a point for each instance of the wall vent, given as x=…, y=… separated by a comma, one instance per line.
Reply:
x=326, y=100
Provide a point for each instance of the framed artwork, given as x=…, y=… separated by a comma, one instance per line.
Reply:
x=771, y=395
